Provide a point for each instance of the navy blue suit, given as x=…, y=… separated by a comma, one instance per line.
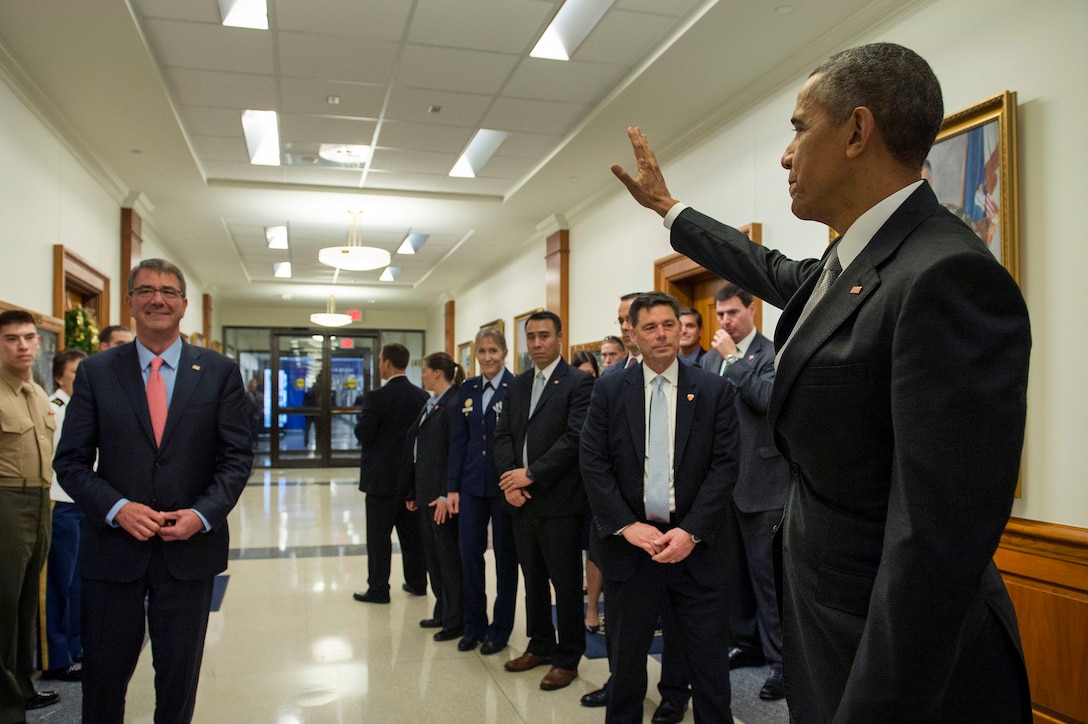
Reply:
x=613, y=455
x=203, y=463
x=473, y=476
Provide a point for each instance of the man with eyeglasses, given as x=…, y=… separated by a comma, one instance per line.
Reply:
x=169, y=424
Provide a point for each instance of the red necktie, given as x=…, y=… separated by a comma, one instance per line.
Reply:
x=156, y=399
x=631, y=361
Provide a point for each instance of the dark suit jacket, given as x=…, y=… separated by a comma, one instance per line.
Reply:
x=203, y=463
x=764, y=475
x=900, y=407
x=387, y=414
x=472, y=442
x=427, y=476
x=613, y=456
x=553, y=439
x=619, y=366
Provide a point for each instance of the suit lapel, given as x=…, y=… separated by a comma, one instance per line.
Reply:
x=186, y=378
x=556, y=379
x=126, y=366
x=634, y=394
x=686, y=398
x=853, y=287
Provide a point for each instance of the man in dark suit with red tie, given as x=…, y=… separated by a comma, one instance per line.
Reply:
x=658, y=457
x=168, y=424
x=899, y=404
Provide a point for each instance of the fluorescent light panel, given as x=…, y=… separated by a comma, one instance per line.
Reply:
x=282, y=270
x=262, y=131
x=244, y=14
x=478, y=152
x=569, y=28
x=276, y=237
x=412, y=243
x=390, y=274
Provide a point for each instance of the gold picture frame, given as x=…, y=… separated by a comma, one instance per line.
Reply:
x=499, y=324
x=522, y=361
x=973, y=169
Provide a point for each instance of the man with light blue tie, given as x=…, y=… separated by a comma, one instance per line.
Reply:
x=659, y=487
x=169, y=426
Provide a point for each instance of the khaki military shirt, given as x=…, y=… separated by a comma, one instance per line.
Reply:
x=26, y=431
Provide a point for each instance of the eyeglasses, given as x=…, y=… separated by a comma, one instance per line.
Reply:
x=170, y=294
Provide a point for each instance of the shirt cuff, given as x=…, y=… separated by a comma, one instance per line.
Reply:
x=207, y=528
x=115, y=510
x=675, y=211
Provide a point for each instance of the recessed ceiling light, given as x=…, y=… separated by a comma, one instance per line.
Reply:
x=276, y=236
x=262, y=132
x=478, y=152
x=282, y=270
x=569, y=28
x=345, y=154
x=333, y=100
x=412, y=243
x=390, y=274
x=244, y=14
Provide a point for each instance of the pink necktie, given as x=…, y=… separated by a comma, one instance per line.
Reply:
x=156, y=399
x=631, y=362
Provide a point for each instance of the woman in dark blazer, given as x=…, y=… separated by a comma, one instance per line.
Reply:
x=429, y=450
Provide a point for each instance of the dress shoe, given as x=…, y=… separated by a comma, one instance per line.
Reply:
x=669, y=712
x=65, y=673
x=741, y=658
x=430, y=623
x=558, y=678
x=414, y=590
x=775, y=686
x=526, y=661
x=468, y=642
x=596, y=698
x=491, y=646
x=448, y=634
x=41, y=699
x=370, y=597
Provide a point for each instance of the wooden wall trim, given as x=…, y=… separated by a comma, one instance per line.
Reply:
x=557, y=281
x=71, y=271
x=450, y=331
x=1045, y=567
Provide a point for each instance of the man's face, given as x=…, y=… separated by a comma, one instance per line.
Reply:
x=658, y=336
x=68, y=377
x=18, y=345
x=815, y=160
x=542, y=341
x=690, y=332
x=735, y=318
x=490, y=357
x=627, y=332
x=118, y=338
x=155, y=314
x=611, y=353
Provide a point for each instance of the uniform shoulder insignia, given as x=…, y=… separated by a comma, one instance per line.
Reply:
x=57, y=401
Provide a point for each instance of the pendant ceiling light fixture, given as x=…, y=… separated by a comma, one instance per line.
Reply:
x=353, y=256
x=329, y=318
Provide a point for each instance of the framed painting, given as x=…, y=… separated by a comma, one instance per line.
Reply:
x=499, y=324
x=972, y=169
x=466, y=357
x=522, y=360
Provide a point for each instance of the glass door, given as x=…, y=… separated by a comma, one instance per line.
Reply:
x=317, y=379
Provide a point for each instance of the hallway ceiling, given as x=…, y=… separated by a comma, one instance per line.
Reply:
x=149, y=94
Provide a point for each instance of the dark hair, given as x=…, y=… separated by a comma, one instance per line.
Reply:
x=651, y=299
x=613, y=339
x=445, y=364
x=107, y=333
x=494, y=334
x=630, y=295
x=62, y=358
x=543, y=315
x=893, y=82
x=16, y=316
x=396, y=354
x=580, y=358
x=692, y=312
x=731, y=290
x=157, y=265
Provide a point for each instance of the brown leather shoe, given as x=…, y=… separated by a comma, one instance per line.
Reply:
x=557, y=679
x=526, y=661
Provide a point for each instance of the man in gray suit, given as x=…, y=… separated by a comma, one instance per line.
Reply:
x=899, y=405
x=745, y=358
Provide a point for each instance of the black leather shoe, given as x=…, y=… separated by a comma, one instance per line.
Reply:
x=430, y=623
x=491, y=646
x=669, y=712
x=468, y=642
x=65, y=673
x=414, y=590
x=42, y=699
x=369, y=597
x=741, y=658
x=775, y=686
x=596, y=698
x=448, y=634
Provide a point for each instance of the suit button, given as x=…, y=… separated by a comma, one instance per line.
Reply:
x=795, y=470
x=484, y=453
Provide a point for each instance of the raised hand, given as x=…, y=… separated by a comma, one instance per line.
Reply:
x=648, y=187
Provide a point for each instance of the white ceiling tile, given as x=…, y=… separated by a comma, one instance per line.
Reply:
x=452, y=69
x=210, y=46
x=311, y=96
x=206, y=11
x=458, y=109
x=299, y=130
x=205, y=121
x=306, y=55
x=424, y=137
x=221, y=148
x=392, y=159
x=673, y=8
x=528, y=145
x=508, y=26
x=516, y=114
x=574, y=81
x=222, y=90
x=384, y=20
x=623, y=37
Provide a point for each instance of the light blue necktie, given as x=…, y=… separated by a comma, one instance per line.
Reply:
x=657, y=464
x=538, y=390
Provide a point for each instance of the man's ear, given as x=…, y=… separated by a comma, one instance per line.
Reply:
x=862, y=133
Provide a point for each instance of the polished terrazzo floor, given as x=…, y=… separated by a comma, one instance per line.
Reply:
x=289, y=645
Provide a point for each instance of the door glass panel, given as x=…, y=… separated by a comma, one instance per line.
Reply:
x=353, y=362
x=299, y=382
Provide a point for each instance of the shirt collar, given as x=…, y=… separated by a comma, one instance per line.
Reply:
x=496, y=379
x=14, y=381
x=742, y=346
x=550, y=369
x=865, y=228
x=171, y=355
x=671, y=373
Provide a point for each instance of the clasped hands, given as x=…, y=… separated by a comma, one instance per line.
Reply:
x=443, y=509
x=512, y=483
x=144, y=523
x=672, y=546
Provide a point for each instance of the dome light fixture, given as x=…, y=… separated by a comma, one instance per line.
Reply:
x=353, y=256
x=330, y=318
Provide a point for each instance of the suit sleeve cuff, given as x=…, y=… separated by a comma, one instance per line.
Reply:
x=675, y=211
